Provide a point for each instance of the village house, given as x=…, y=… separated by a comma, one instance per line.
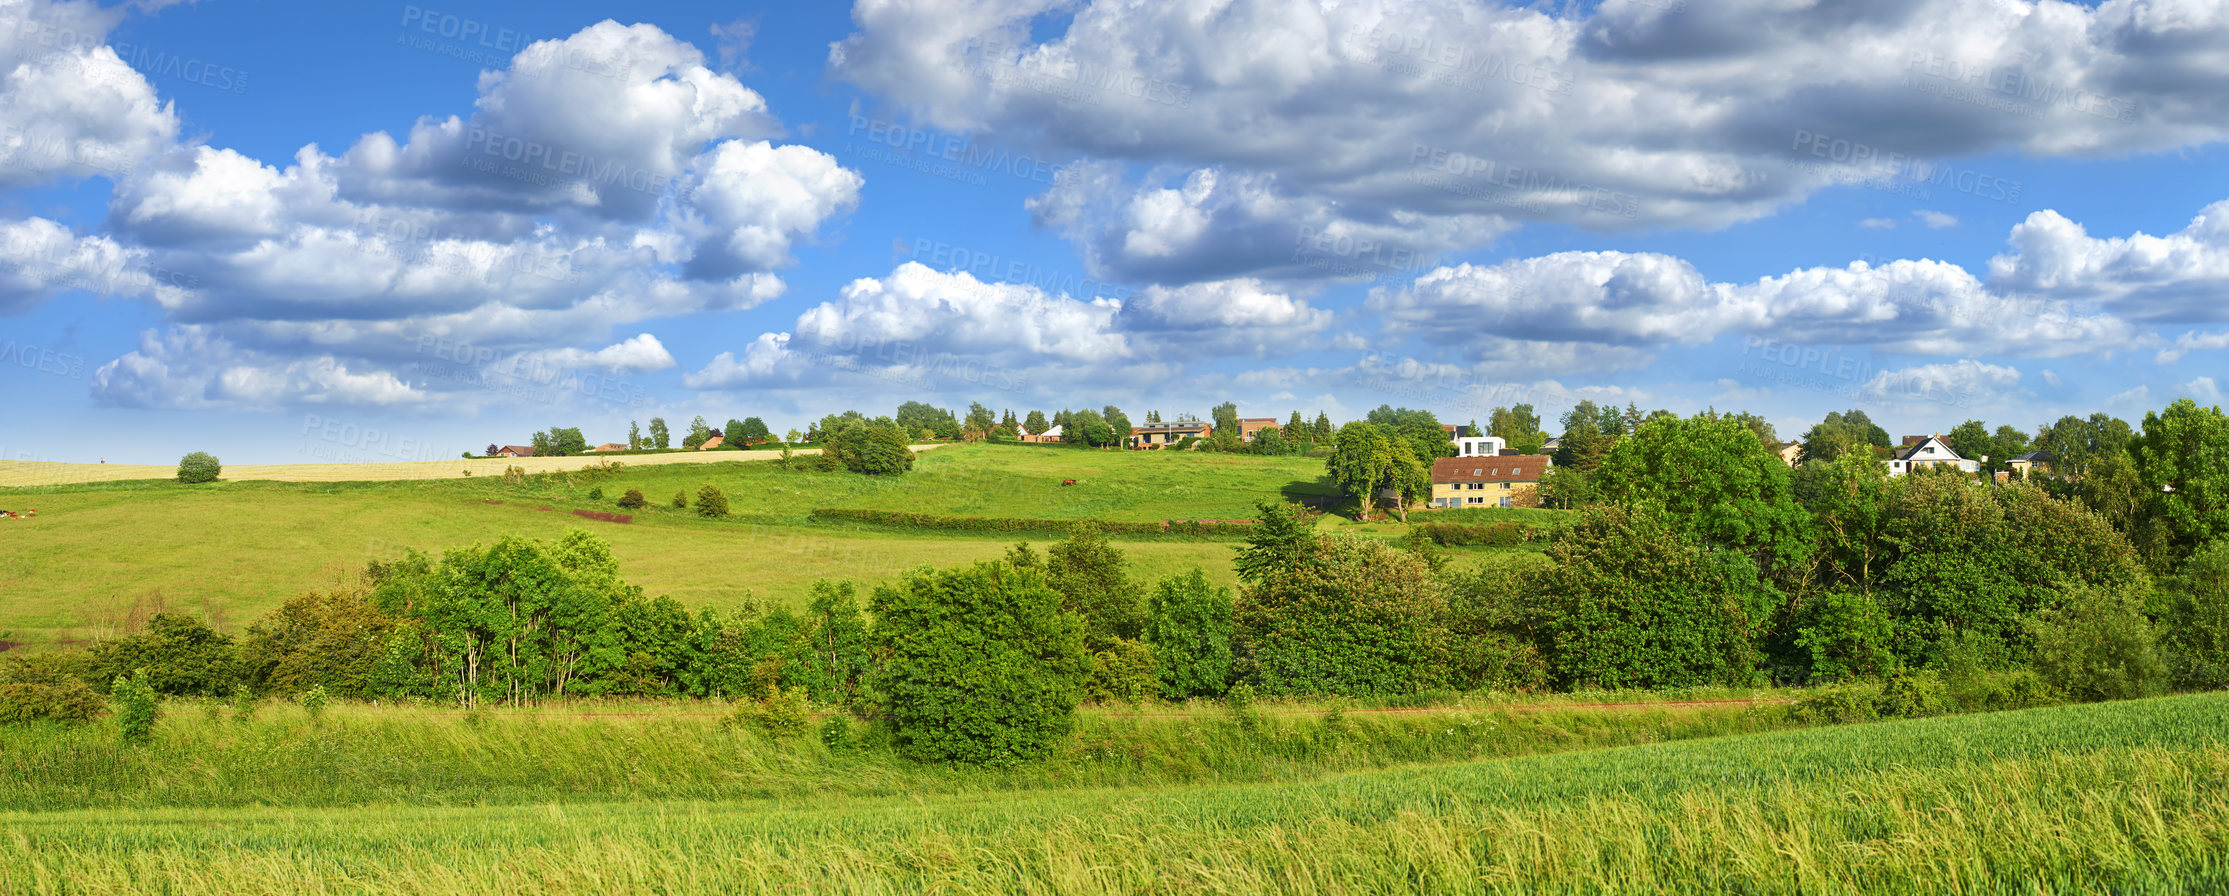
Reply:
x=2033, y=463
x=1156, y=436
x=608, y=447
x=1499, y=480
x=1922, y=452
x=1789, y=452
x=1050, y=435
x=711, y=443
x=1479, y=446
x=515, y=451
x=1249, y=427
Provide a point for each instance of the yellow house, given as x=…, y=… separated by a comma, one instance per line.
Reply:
x=1509, y=480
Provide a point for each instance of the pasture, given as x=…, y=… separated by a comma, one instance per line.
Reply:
x=101, y=556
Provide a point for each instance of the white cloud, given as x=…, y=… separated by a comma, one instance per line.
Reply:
x=1935, y=220
x=1229, y=315
x=2192, y=341
x=72, y=108
x=930, y=310
x=2204, y=390
x=766, y=361
x=189, y=368
x=641, y=354
x=2177, y=278
x=1878, y=223
x=749, y=201
x=1964, y=383
x=1626, y=115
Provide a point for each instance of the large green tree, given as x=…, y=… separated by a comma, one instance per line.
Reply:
x=2184, y=458
x=1035, y=423
x=660, y=437
x=1090, y=575
x=1628, y=602
x=1719, y=482
x=1358, y=618
x=870, y=447
x=1188, y=628
x=699, y=433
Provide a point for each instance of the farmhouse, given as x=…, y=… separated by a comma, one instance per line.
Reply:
x=1156, y=436
x=515, y=451
x=1921, y=452
x=2033, y=463
x=1500, y=480
x=711, y=443
x=608, y=447
x=1789, y=452
x=1249, y=427
x=1050, y=435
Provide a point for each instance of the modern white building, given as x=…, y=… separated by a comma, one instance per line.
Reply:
x=1921, y=452
x=1479, y=446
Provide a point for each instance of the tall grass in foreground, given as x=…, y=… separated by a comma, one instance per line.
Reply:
x=2130, y=797
x=357, y=754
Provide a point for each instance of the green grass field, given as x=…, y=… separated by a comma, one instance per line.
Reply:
x=2128, y=798
x=100, y=556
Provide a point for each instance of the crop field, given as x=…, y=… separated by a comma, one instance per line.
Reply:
x=101, y=555
x=27, y=473
x=2126, y=797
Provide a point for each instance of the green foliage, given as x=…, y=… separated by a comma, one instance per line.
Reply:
x=596, y=494
x=1488, y=612
x=699, y=433
x=2194, y=624
x=1627, y=602
x=1188, y=628
x=329, y=640
x=1720, y=484
x=1090, y=429
x=244, y=703
x=1906, y=694
x=1499, y=534
x=41, y=689
x=1843, y=432
x=980, y=664
x=782, y=713
x=181, y=656
x=1357, y=618
x=2095, y=644
x=1849, y=499
x=314, y=701
x=681, y=500
x=902, y=519
x=661, y=438
x=136, y=706
x=1088, y=572
x=198, y=467
x=1839, y=705
x=1124, y=671
x=2184, y=454
x=1846, y=634
x=1282, y=540
x=633, y=499
x=711, y=502
x=1368, y=459
x=871, y=448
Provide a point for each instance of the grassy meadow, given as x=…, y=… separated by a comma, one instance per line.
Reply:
x=102, y=555
x=2126, y=797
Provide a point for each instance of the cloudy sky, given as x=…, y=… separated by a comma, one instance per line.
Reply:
x=296, y=232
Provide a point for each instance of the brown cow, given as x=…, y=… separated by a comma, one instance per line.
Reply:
x=1068, y=482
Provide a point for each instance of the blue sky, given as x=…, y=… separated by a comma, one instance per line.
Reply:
x=317, y=232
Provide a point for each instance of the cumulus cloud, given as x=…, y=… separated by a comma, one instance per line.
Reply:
x=641, y=354
x=191, y=368
x=2192, y=341
x=2177, y=278
x=1463, y=115
x=72, y=107
x=922, y=307
x=1935, y=220
x=1964, y=383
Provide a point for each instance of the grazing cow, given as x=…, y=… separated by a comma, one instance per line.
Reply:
x=1068, y=482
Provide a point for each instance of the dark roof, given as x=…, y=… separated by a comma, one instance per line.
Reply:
x=1909, y=441
x=520, y=450
x=1912, y=447
x=1504, y=468
x=2035, y=457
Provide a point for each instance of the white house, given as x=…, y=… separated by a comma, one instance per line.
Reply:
x=1920, y=452
x=1479, y=446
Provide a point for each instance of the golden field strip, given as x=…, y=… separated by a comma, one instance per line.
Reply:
x=23, y=473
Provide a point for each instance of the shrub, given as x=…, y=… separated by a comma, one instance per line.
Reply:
x=1487, y=613
x=1628, y=602
x=199, y=466
x=2095, y=644
x=1839, y=705
x=327, y=639
x=181, y=656
x=980, y=665
x=1239, y=702
x=633, y=499
x=2194, y=624
x=596, y=494
x=872, y=448
x=1906, y=694
x=1356, y=618
x=313, y=702
x=1188, y=628
x=1124, y=671
x=1500, y=534
x=781, y=713
x=244, y=703
x=681, y=500
x=900, y=519
x=1848, y=635
x=712, y=502
x=136, y=707
x=836, y=734
x=40, y=690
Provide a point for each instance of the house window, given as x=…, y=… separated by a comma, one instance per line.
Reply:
x=1478, y=500
x=1505, y=502
x=1505, y=486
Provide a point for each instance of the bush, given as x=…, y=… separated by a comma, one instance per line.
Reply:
x=781, y=713
x=40, y=690
x=180, y=655
x=836, y=734
x=313, y=702
x=681, y=500
x=1122, y=672
x=2194, y=624
x=596, y=494
x=1188, y=628
x=1848, y=635
x=901, y=519
x=1500, y=534
x=1628, y=602
x=1909, y=695
x=1356, y=618
x=980, y=665
x=712, y=502
x=199, y=466
x=1839, y=705
x=136, y=707
x=2095, y=644
x=871, y=448
x=633, y=499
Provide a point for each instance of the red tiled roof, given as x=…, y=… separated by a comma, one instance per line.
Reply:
x=1504, y=468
